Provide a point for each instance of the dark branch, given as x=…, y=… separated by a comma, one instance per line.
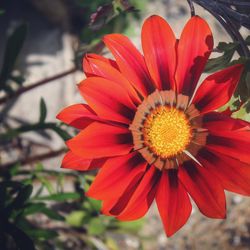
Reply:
x=191, y=6
x=37, y=84
x=33, y=159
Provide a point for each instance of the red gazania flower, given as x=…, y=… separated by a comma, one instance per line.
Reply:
x=152, y=130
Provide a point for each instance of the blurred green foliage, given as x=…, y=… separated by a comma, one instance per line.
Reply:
x=24, y=209
x=241, y=98
x=107, y=17
x=36, y=210
x=103, y=17
x=13, y=47
x=11, y=133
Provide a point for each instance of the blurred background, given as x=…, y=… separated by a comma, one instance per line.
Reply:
x=41, y=47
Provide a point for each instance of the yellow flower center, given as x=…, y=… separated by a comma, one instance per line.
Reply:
x=166, y=131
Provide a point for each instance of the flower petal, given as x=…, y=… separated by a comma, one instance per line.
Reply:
x=194, y=48
x=116, y=175
x=217, y=89
x=89, y=69
x=233, y=174
x=130, y=61
x=158, y=43
x=204, y=188
x=114, y=207
x=142, y=198
x=215, y=121
x=173, y=202
x=235, y=144
x=106, y=70
x=72, y=161
x=109, y=100
x=101, y=140
x=78, y=116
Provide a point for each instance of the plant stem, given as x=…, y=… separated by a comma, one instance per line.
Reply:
x=33, y=159
x=10, y=134
x=37, y=84
x=191, y=6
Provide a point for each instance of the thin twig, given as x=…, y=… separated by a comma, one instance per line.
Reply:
x=33, y=159
x=37, y=84
x=191, y=6
x=12, y=133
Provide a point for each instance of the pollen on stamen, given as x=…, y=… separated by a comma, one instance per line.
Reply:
x=166, y=131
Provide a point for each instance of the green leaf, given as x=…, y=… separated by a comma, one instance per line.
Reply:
x=43, y=111
x=131, y=226
x=14, y=170
x=96, y=226
x=13, y=48
x=241, y=114
x=52, y=214
x=77, y=218
x=243, y=88
x=92, y=205
x=247, y=107
x=60, y=197
x=21, y=197
x=111, y=244
x=2, y=12
x=46, y=183
x=39, y=167
x=223, y=46
x=95, y=204
x=34, y=232
x=215, y=64
x=34, y=208
x=61, y=132
x=42, y=234
x=39, y=191
x=60, y=182
x=22, y=240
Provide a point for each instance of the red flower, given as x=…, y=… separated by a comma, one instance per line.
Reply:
x=153, y=133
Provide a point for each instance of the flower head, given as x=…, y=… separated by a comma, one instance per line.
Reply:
x=152, y=130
